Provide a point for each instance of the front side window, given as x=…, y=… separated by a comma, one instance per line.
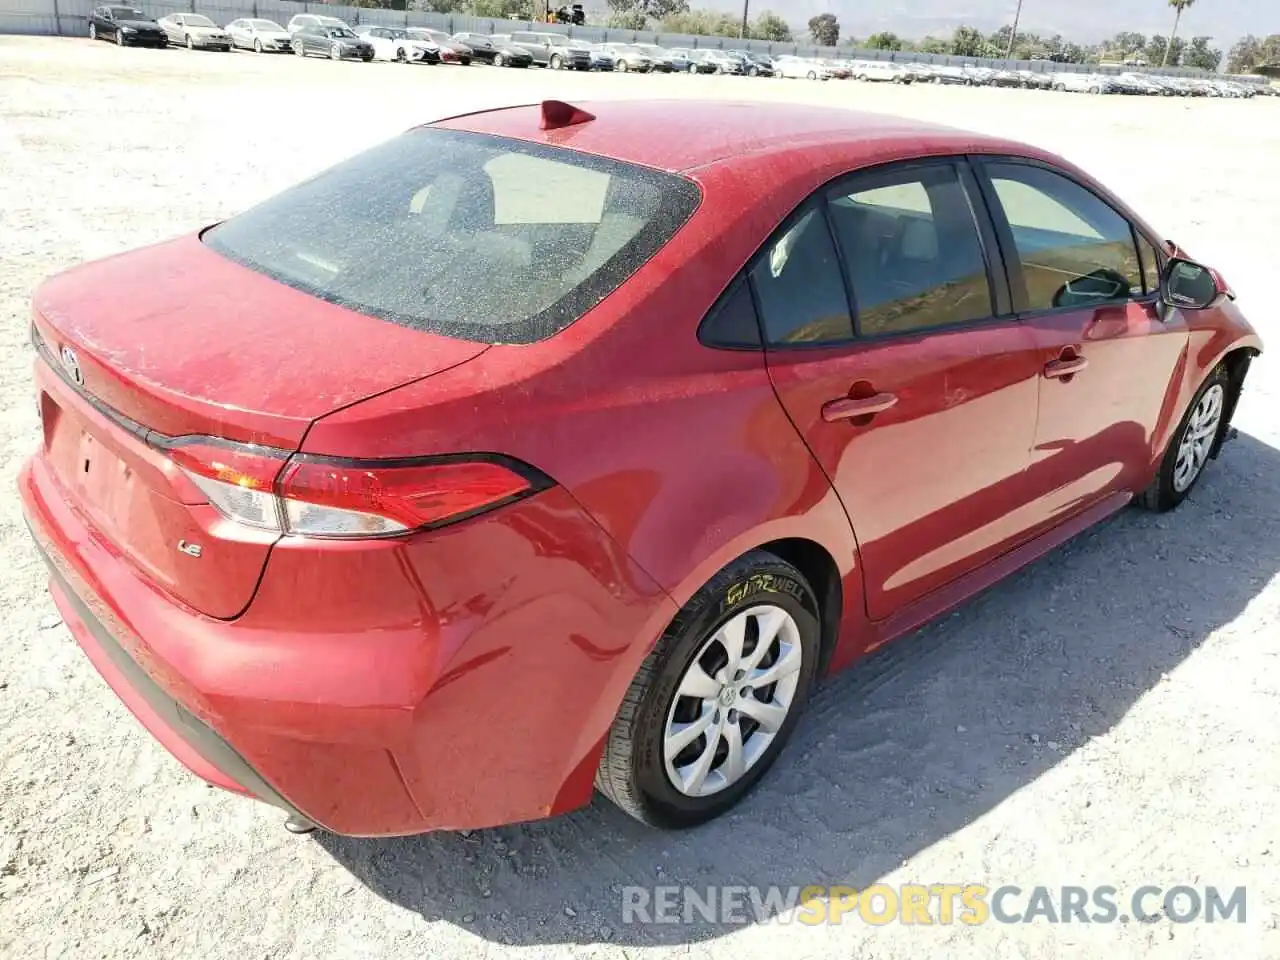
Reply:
x=468, y=235
x=1150, y=265
x=799, y=286
x=912, y=251
x=1075, y=250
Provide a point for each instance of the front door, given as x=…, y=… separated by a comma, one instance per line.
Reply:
x=1086, y=282
x=920, y=405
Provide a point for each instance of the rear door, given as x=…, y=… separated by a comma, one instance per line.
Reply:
x=1086, y=282
x=920, y=402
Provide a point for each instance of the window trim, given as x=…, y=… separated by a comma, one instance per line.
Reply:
x=1008, y=247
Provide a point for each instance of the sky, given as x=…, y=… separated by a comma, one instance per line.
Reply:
x=1082, y=21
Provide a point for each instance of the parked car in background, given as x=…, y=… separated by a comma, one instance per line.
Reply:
x=258, y=35
x=661, y=58
x=838, y=69
x=693, y=60
x=949, y=75
x=127, y=26
x=601, y=59
x=979, y=76
x=800, y=68
x=336, y=43
x=394, y=43
x=1033, y=80
x=195, y=31
x=496, y=49
x=1006, y=78
x=1095, y=83
x=881, y=71
x=721, y=61
x=628, y=58
x=552, y=50
x=758, y=64
x=304, y=492
x=460, y=52
x=300, y=20
x=680, y=61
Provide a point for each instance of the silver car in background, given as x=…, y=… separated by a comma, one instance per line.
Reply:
x=195, y=30
x=260, y=36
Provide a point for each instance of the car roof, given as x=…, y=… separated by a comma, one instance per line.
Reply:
x=699, y=132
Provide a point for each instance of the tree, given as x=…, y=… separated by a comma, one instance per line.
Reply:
x=1128, y=42
x=825, y=29
x=934, y=45
x=770, y=26
x=1178, y=7
x=1160, y=51
x=968, y=42
x=504, y=9
x=1245, y=55
x=450, y=6
x=1072, y=53
x=636, y=14
x=1201, y=55
x=884, y=41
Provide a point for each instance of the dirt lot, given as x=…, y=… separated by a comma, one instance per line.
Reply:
x=1107, y=717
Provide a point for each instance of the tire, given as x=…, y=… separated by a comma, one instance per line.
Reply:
x=119, y=37
x=634, y=769
x=190, y=44
x=693, y=69
x=813, y=75
x=93, y=31
x=257, y=46
x=556, y=63
x=499, y=60
x=753, y=72
x=401, y=56
x=299, y=49
x=620, y=66
x=335, y=52
x=1169, y=488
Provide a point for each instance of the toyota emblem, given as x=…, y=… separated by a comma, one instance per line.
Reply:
x=71, y=364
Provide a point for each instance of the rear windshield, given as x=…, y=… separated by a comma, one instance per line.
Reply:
x=464, y=234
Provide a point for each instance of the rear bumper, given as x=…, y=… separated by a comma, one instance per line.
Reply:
x=457, y=679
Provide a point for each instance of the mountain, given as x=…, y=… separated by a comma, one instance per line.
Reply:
x=1082, y=21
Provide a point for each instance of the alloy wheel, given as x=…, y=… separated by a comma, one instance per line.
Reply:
x=257, y=46
x=732, y=701
x=1197, y=437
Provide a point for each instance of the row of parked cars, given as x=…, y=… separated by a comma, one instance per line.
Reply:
x=309, y=34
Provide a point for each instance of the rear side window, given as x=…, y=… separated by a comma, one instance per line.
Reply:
x=799, y=286
x=912, y=252
x=463, y=234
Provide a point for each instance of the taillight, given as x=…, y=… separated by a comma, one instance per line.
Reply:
x=314, y=496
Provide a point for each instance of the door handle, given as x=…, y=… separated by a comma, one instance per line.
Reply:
x=1066, y=367
x=847, y=408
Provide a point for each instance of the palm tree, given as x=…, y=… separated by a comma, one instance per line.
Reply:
x=1179, y=6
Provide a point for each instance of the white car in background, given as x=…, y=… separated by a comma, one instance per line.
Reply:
x=194, y=30
x=1080, y=82
x=300, y=20
x=394, y=43
x=260, y=36
x=800, y=68
x=882, y=71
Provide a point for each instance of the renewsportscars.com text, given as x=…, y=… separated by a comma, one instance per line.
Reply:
x=935, y=903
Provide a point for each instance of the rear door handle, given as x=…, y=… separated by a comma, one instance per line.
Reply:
x=1055, y=369
x=847, y=408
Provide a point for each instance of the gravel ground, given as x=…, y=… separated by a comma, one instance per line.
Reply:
x=1105, y=717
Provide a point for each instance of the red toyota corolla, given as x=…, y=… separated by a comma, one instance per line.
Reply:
x=533, y=449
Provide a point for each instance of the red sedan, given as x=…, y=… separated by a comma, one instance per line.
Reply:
x=536, y=450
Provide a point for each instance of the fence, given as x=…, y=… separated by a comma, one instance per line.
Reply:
x=69, y=18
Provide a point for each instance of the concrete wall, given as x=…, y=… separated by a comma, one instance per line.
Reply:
x=69, y=18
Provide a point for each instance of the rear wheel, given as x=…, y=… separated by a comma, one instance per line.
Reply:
x=190, y=44
x=299, y=49
x=715, y=702
x=621, y=66
x=335, y=52
x=93, y=31
x=813, y=75
x=499, y=60
x=693, y=68
x=1188, y=452
x=401, y=56
x=257, y=46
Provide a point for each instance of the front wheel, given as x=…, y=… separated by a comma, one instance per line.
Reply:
x=93, y=32
x=693, y=68
x=557, y=63
x=813, y=75
x=713, y=705
x=499, y=60
x=119, y=37
x=621, y=66
x=299, y=49
x=753, y=72
x=190, y=43
x=335, y=52
x=1189, y=450
x=257, y=46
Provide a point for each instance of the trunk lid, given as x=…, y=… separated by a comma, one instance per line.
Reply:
x=175, y=340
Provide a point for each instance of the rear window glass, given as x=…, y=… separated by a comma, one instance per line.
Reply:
x=468, y=235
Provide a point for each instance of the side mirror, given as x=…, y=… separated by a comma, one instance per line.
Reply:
x=1190, y=286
